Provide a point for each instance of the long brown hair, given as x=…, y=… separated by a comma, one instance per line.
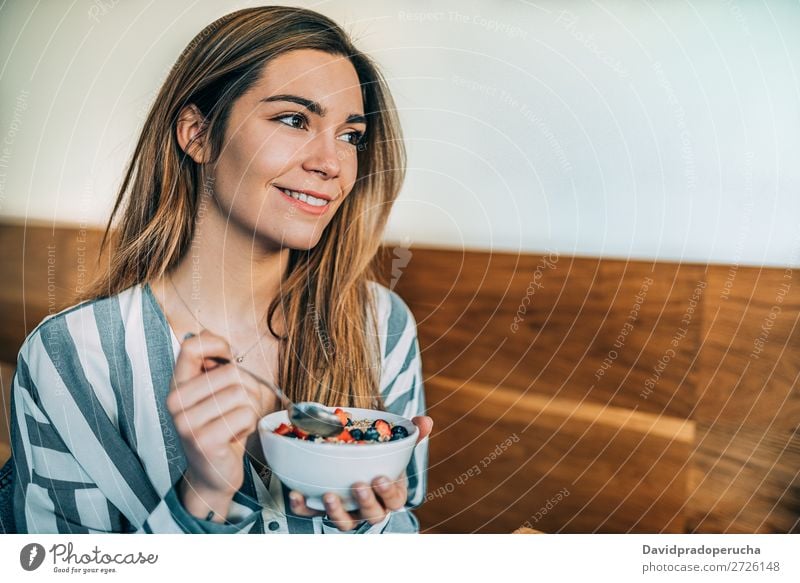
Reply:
x=329, y=353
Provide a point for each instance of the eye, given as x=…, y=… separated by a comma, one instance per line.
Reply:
x=355, y=137
x=295, y=117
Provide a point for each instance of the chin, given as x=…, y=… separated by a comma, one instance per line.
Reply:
x=300, y=241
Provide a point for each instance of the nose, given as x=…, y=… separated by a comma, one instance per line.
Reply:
x=322, y=156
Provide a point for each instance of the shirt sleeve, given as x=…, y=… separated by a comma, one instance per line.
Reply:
x=54, y=493
x=404, y=394
x=363, y=527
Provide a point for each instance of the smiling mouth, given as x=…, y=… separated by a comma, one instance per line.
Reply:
x=303, y=197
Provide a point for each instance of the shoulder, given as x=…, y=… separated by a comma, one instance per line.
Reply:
x=401, y=375
x=401, y=384
x=75, y=328
x=395, y=320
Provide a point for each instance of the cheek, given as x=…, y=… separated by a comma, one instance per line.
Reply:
x=238, y=163
x=269, y=159
x=257, y=157
x=348, y=169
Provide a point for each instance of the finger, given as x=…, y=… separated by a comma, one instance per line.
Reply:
x=194, y=352
x=219, y=404
x=191, y=392
x=220, y=432
x=240, y=439
x=392, y=493
x=297, y=502
x=370, y=508
x=340, y=517
x=425, y=425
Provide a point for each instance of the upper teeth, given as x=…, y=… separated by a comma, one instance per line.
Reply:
x=312, y=200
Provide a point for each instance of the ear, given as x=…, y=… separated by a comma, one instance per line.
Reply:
x=191, y=134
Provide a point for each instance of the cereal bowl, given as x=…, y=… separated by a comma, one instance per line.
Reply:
x=314, y=468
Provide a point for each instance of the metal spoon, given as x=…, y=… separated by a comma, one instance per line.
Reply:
x=308, y=416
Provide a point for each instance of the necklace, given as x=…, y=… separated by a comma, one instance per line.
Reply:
x=238, y=358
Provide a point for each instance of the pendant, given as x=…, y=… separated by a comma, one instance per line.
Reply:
x=239, y=358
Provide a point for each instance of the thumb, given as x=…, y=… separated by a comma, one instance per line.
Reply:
x=424, y=424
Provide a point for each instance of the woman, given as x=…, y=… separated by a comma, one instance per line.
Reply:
x=253, y=208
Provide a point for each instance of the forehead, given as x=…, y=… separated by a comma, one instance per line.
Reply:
x=328, y=79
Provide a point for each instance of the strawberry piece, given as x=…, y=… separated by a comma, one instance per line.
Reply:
x=345, y=436
x=283, y=429
x=343, y=417
x=383, y=428
x=300, y=433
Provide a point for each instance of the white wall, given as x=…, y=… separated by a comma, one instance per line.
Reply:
x=665, y=130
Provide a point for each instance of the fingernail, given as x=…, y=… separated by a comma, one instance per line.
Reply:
x=330, y=499
x=383, y=485
x=362, y=493
x=294, y=498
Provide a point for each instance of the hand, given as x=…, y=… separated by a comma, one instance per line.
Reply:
x=214, y=408
x=375, y=500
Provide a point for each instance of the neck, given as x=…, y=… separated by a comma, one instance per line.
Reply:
x=227, y=278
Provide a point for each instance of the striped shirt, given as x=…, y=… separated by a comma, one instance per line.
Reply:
x=95, y=448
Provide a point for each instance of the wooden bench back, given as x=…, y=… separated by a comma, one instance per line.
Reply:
x=570, y=394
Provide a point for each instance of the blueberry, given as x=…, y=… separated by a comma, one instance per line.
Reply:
x=399, y=432
x=357, y=434
x=312, y=437
x=349, y=422
x=371, y=434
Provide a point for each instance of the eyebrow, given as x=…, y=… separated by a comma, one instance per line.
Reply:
x=314, y=107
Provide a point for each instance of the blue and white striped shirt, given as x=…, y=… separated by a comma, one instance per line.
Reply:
x=95, y=448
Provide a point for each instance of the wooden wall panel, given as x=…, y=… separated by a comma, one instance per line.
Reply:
x=739, y=474
x=41, y=267
x=589, y=328
x=656, y=366
x=747, y=456
x=744, y=481
x=617, y=470
x=750, y=353
x=6, y=376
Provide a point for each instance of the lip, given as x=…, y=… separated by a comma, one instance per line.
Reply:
x=304, y=206
x=309, y=192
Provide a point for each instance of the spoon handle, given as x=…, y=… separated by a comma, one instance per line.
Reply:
x=270, y=385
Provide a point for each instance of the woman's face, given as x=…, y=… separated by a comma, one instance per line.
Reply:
x=297, y=129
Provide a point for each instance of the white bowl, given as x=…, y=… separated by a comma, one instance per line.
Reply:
x=316, y=468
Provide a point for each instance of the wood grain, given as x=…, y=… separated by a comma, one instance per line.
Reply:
x=598, y=377
x=587, y=328
x=526, y=530
x=42, y=270
x=710, y=316
x=750, y=352
x=617, y=470
x=6, y=378
x=747, y=456
x=744, y=480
